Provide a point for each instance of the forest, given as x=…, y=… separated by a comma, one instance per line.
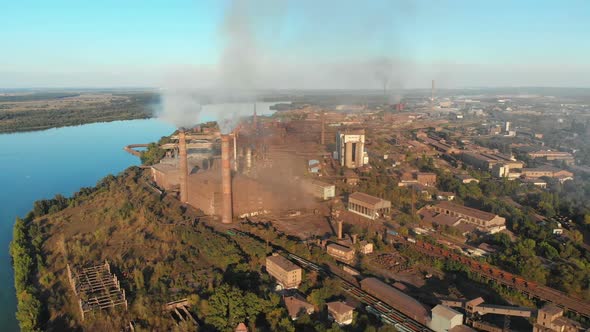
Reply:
x=48, y=113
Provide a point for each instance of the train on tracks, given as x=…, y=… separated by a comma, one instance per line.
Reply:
x=527, y=287
x=385, y=312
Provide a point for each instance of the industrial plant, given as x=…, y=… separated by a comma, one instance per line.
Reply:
x=414, y=216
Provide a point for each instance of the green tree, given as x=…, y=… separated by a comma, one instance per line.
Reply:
x=28, y=311
x=152, y=155
x=226, y=308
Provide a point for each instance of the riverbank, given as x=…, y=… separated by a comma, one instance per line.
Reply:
x=22, y=115
x=41, y=164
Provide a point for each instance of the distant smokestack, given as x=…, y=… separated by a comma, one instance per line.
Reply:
x=254, y=118
x=183, y=166
x=339, y=231
x=432, y=97
x=226, y=212
x=235, y=152
x=323, y=135
x=248, y=158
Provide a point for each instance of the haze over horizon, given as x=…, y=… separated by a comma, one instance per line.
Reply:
x=295, y=44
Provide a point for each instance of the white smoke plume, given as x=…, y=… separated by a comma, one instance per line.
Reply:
x=254, y=57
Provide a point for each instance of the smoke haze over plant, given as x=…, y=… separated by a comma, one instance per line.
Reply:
x=252, y=58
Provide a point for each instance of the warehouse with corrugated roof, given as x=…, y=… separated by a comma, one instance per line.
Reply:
x=397, y=299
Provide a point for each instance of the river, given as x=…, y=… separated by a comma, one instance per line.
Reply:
x=40, y=164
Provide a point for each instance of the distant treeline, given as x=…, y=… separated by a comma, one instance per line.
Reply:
x=139, y=106
x=37, y=96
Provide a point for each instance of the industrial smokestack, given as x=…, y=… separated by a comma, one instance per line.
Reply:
x=248, y=158
x=432, y=97
x=339, y=231
x=235, y=152
x=323, y=135
x=226, y=212
x=254, y=117
x=183, y=166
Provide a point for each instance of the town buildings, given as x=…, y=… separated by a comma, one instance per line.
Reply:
x=340, y=312
x=287, y=274
x=550, y=155
x=296, y=306
x=550, y=172
x=418, y=178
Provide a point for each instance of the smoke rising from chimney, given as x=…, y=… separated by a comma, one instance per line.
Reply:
x=256, y=55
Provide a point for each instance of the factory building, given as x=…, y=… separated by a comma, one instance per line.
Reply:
x=445, y=318
x=340, y=312
x=481, y=220
x=397, y=299
x=426, y=179
x=287, y=274
x=166, y=175
x=350, y=148
x=341, y=253
x=320, y=189
x=550, y=172
x=368, y=206
x=417, y=178
x=550, y=319
x=486, y=161
x=549, y=155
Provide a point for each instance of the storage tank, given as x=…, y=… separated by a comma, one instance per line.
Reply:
x=397, y=299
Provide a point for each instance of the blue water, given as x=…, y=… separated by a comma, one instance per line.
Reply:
x=37, y=165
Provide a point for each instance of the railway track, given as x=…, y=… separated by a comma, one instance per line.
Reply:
x=530, y=288
x=386, y=313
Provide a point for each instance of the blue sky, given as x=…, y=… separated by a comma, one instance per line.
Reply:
x=146, y=43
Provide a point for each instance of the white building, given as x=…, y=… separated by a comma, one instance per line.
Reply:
x=350, y=147
x=320, y=189
x=445, y=318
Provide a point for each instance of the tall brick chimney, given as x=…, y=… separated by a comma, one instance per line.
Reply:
x=235, y=161
x=323, y=133
x=254, y=118
x=226, y=210
x=248, y=158
x=183, y=166
x=339, y=231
